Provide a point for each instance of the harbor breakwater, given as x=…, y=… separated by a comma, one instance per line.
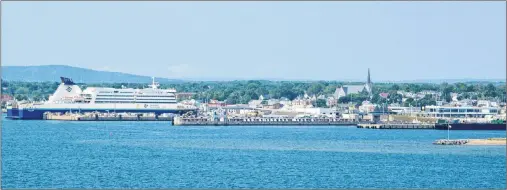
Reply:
x=489, y=141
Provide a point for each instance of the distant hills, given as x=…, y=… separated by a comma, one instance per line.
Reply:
x=450, y=81
x=79, y=75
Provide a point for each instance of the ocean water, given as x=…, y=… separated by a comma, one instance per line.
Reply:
x=57, y=154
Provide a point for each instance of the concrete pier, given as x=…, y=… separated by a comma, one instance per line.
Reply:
x=183, y=121
x=397, y=126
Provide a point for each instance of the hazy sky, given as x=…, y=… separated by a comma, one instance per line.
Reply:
x=270, y=40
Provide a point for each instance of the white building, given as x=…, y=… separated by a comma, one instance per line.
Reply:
x=461, y=112
x=366, y=107
x=404, y=110
x=238, y=109
x=486, y=103
x=273, y=101
x=317, y=111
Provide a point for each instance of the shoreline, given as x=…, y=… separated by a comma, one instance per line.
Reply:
x=473, y=142
x=489, y=141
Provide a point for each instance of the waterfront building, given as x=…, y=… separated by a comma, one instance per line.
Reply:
x=216, y=104
x=330, y=112
x=255, y=103
x=313, y=98
x=273, y=101
x=403, y=110
x=273, y=106
x=302, y=103
x=366, y=107
x=285, y=102
x=331, y=101
x=486, y=103
x=238, y=109
x=460, y=112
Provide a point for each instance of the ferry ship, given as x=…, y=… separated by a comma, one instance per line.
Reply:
x=69, y=97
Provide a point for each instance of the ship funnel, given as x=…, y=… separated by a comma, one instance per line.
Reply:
x=67, y=81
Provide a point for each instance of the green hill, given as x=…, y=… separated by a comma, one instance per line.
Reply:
x=80, y=75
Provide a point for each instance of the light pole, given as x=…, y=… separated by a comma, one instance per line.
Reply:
x=387, y=107
x=448, y=129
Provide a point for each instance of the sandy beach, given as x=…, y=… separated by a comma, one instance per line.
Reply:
x=490, y=141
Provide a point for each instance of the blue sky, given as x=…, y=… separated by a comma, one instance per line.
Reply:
x=262, y=40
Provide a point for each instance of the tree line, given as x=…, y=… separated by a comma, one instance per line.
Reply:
x=241, y=92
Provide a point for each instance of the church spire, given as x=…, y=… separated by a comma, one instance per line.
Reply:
x=369, y=85
x=369, y=79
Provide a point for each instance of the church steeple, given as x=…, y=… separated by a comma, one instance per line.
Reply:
x=369, y=79
x=369, y=85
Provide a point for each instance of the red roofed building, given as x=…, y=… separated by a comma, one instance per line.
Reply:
x=216, y=103
x=6, y=97
x=384, y=95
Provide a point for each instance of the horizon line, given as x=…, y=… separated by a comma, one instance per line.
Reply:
x=218, y=79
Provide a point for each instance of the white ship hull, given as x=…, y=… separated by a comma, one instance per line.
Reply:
x=109, y=106
x=36, y=112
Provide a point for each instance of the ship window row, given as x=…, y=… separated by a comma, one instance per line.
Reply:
x=170, y=95
x=104, y=102
x=117, y=92
x=161, y=98
x=133, y=99
x=460, y=110
x=130, y=99
x=124, y=101
x=128, y=95
x=115, y=95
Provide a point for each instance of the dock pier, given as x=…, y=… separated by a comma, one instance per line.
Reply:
x=185, y=121
x=397, y=126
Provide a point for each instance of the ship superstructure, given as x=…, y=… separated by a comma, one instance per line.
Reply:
x=69, y=97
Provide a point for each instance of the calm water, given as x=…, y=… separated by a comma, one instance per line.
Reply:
x=53, y=154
